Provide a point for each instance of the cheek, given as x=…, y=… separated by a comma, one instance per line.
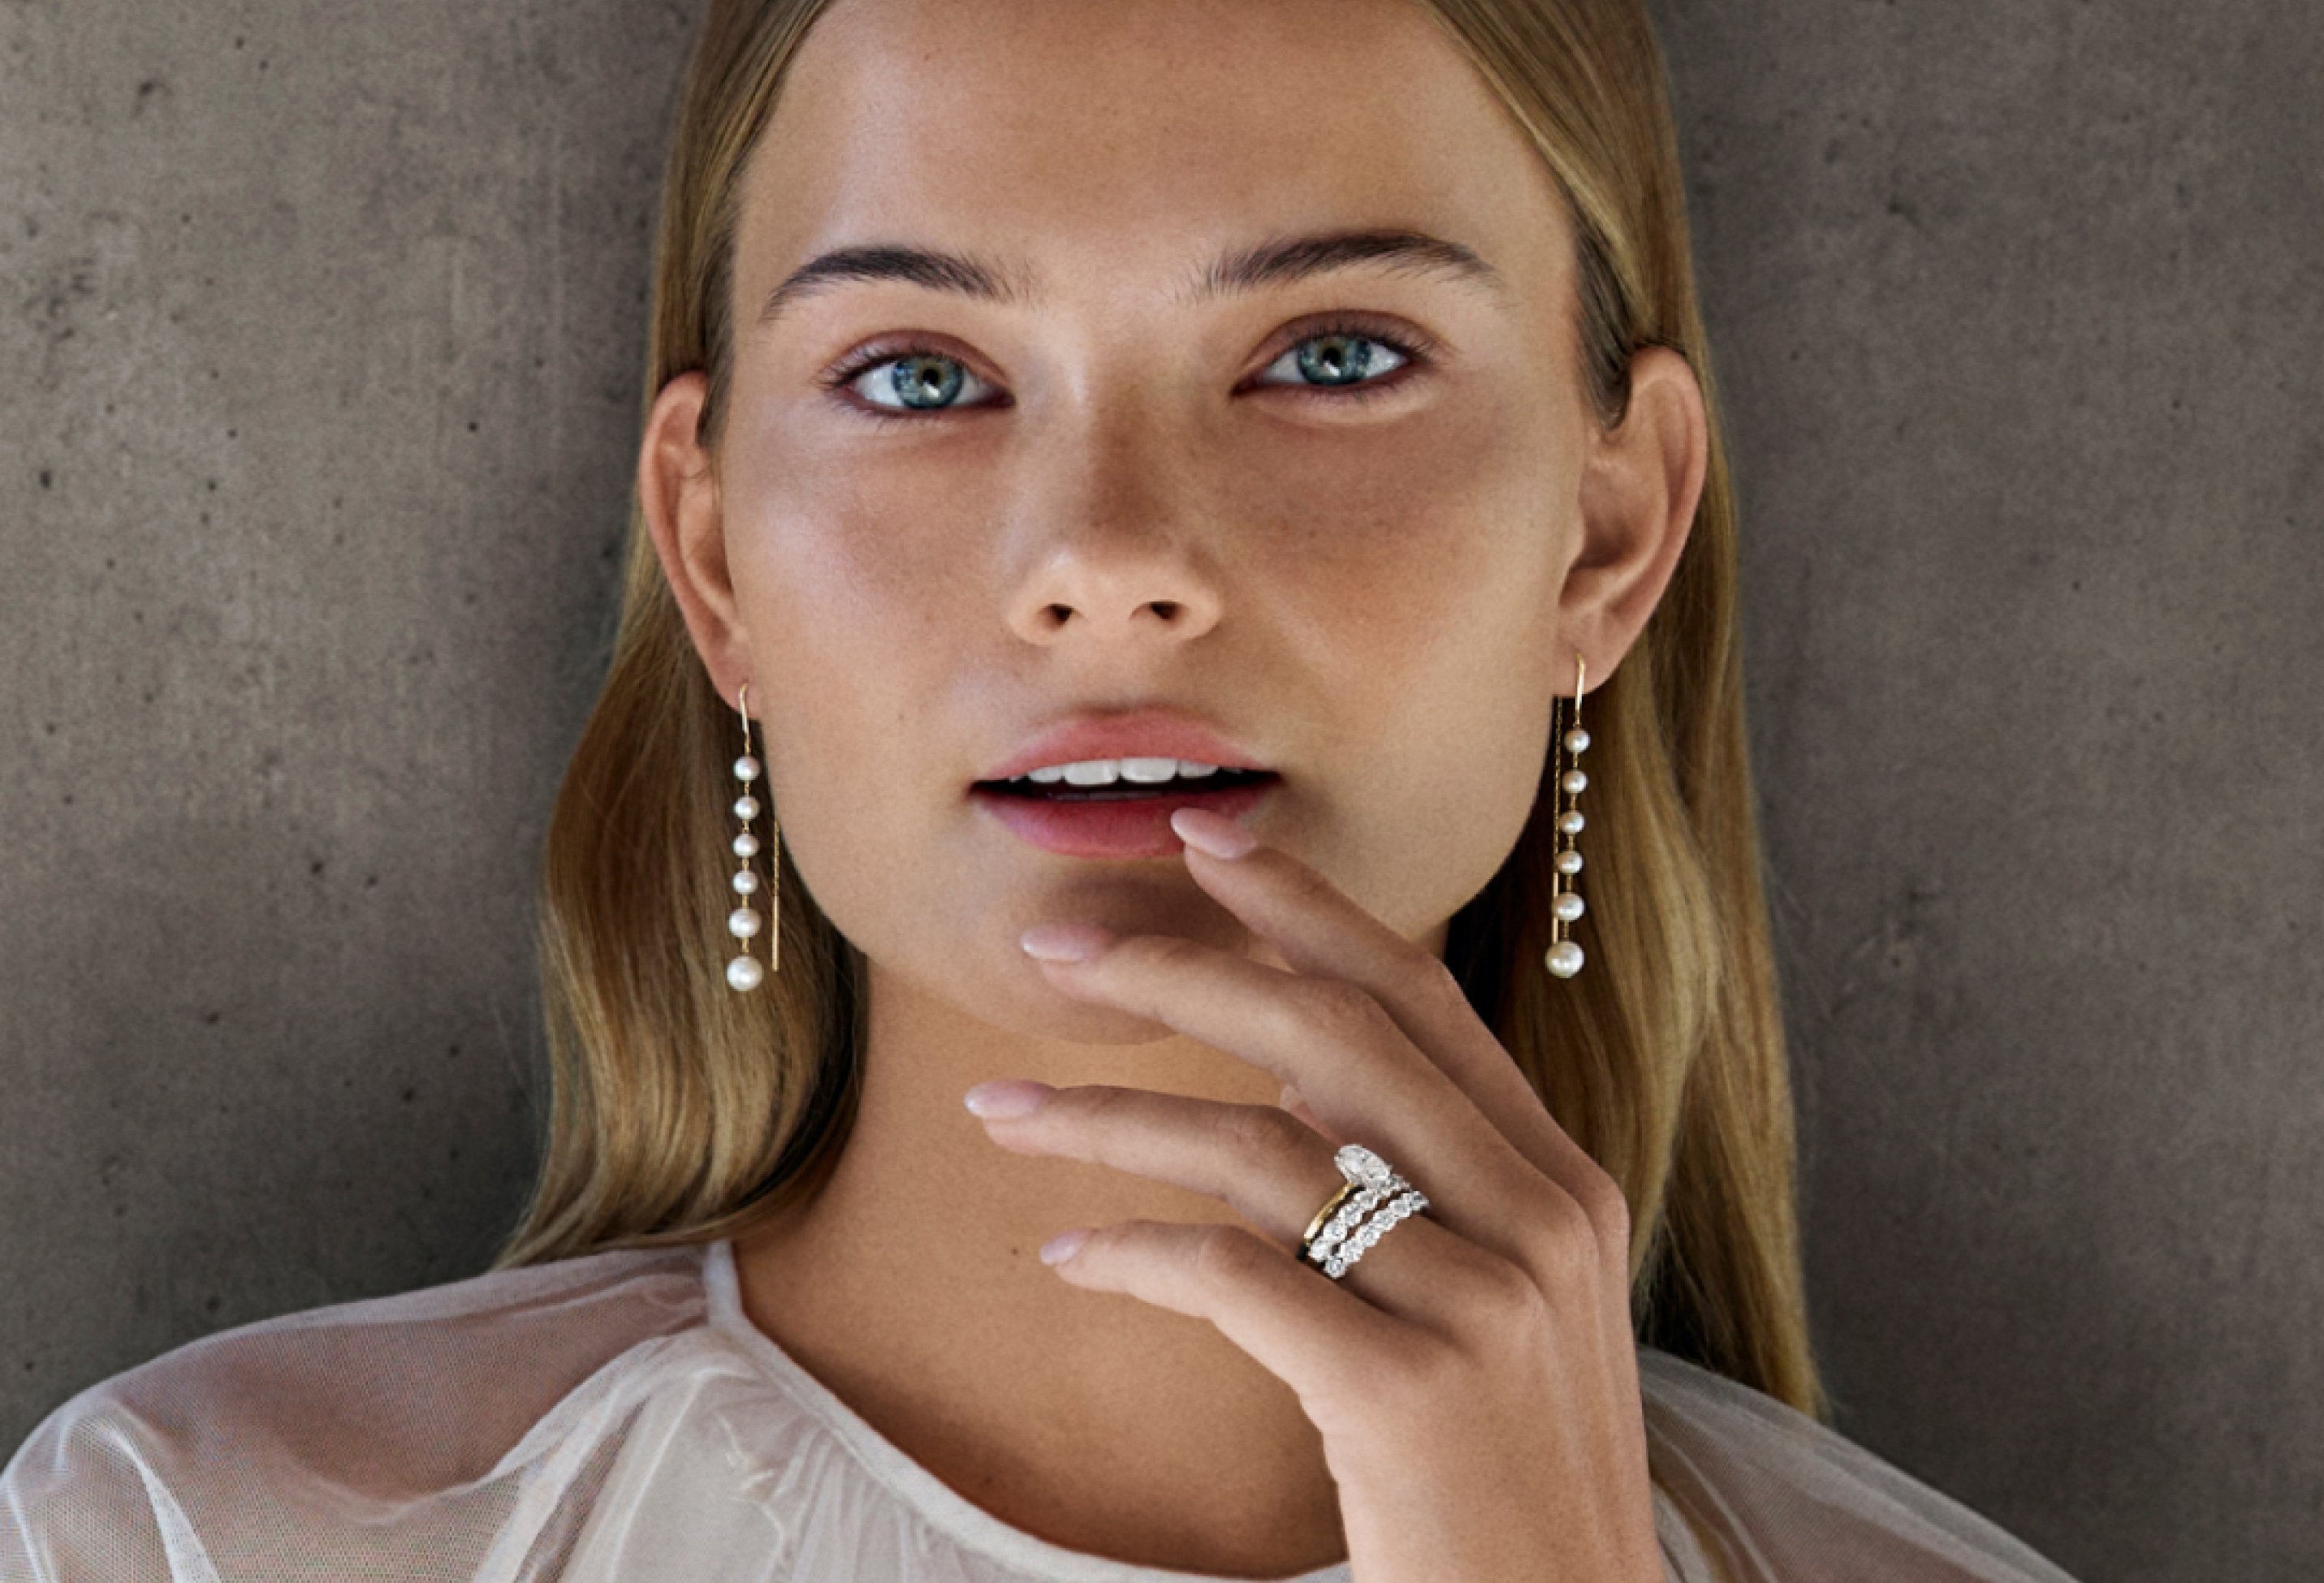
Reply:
x=849, y=577
x=815, y=538
x=1424, y=571
x=1414, y=586
x=840, y=615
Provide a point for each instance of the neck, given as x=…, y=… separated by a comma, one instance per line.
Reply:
x=910, y=1286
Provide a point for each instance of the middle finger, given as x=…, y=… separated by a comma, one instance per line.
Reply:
x=1334, y=1043
x=1267, y=1166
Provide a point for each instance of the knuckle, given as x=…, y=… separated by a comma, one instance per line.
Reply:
x=1170, y=950
x=1092, y=1121
x=1097, y=1102
x=1440, y=987
x=1226, y=1255
x=1510, y=1301
x=1585, y=1232
x=1568, y=1244
x=1262, y=1132
x=1606, y=1206
x=1340, y=1008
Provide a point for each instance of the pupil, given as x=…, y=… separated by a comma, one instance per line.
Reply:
x=927, y=382
x=1336, y=360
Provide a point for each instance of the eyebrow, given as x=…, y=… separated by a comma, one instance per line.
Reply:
x=1270, y=263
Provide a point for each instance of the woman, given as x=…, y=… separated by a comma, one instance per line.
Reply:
x=1177, y=708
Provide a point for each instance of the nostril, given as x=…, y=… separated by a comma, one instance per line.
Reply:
x=1167, y=609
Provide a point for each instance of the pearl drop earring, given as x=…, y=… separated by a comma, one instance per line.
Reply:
x=1565, y=957
x=744, y=922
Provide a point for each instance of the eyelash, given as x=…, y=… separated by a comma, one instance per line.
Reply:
x=1413, y=348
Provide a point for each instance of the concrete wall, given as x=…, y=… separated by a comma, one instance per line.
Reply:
x=2018, y=308
x=319, y=334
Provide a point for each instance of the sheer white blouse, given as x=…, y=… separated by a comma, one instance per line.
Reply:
x=618, y=1417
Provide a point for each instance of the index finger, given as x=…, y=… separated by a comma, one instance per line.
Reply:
x=1319, y=930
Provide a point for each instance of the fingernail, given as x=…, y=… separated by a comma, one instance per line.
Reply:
x=1005, y=1098
x=1057, y=1249
x=1214, y=834
x=1062, y=941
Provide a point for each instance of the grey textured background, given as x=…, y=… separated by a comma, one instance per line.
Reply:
x=319, y=338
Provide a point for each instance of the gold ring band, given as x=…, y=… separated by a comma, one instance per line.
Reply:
x=1307, y=1237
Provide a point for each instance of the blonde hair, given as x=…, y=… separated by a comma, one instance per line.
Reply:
x=683, y=1112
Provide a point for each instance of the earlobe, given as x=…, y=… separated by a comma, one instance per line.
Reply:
x=679, y=497
x=1640, y=487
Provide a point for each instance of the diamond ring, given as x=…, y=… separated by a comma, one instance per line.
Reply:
x=1374, y=1202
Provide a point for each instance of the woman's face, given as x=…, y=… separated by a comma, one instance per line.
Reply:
x=1102, y=470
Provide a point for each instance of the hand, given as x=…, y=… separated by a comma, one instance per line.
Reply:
x=1474, y=1378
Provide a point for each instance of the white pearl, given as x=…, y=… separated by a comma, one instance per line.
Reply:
x=746, y=882
x=1574, y=782
x=1565, y=959
x=746, y=808
x=1567, y=906
x=746, y=845
x=1569, y=862
x=744, y=972
x=743, y=923
x=746, y=767
x=1577, y=741
x=1572, y=822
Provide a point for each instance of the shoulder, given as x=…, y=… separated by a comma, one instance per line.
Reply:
x=1774, y=1495
x=425, y=1390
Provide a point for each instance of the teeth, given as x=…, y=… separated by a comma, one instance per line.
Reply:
x=1106, y=771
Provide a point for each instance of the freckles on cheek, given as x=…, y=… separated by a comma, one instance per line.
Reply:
x=825, y=544
x=1410, y=534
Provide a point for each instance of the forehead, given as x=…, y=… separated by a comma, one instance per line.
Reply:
x=1126, y=141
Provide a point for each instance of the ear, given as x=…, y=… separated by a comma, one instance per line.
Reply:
x=1639, y=487
x=678, y=494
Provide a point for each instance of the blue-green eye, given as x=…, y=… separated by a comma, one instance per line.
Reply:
x=1336, y=359
x=916, y=380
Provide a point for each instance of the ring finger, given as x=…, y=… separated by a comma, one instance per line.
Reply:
x=1265, y=1164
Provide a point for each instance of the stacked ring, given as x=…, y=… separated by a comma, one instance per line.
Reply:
x=1331, y=1208
x=1341, y=1233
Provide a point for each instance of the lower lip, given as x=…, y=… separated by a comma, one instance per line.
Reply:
x=1129, y=827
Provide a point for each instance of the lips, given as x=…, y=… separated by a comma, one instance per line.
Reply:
x=1129, y=817
x=1076, y=824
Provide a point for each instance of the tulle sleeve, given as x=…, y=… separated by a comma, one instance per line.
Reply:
x=418, y=1438
x=75, y=1507
x=1766, y=1494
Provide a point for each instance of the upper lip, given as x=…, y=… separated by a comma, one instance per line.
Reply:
x=1146, y=733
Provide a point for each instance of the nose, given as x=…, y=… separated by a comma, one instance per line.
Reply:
x=1114, y=555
